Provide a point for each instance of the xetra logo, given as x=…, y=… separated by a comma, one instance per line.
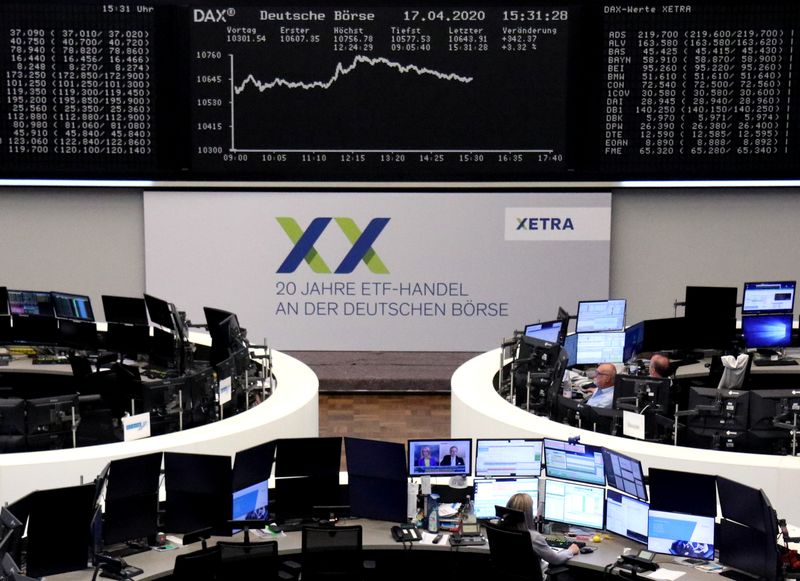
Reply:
x=212, y=15
x=545, y=223
x=361, y=242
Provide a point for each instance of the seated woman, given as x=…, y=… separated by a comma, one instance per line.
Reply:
x=524, y=503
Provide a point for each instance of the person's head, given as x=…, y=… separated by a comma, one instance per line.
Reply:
x=659, y=366
x=425, y=452
x=523, y=502
x=605, y=375
x=454, y=450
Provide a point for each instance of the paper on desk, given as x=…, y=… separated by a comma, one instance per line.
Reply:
x=448, y=510
x=427, y=538
x=665, y=574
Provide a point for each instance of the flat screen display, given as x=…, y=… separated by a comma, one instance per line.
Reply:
x=710, y=302
x=33, y=303
x=574, y=504
x=593, y=348
x=767, y=331
x=251, y=503
x=440, y=457
x=571, y=347
x=508, y=458
x=547, y=331
x=684, y=535
x=624, y=473
x=579, y=462
x=129, y=310
x=683, y=492
x=491, y=492
x=768, y=297
x=596, y=316
x=626, y=516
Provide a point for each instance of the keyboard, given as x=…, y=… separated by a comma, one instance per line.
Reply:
x=773, y=362
x=50, y=359
x=562, y=543
x=467, y=541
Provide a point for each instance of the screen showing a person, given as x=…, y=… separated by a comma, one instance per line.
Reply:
x=595, y=348
x=578, y=462
x=574, y=504
x=547, y=331
x=624, y=473
x=765, y=331
x=491, y=492
x=35, y=303
x=251, y=503
x=508, y=458
x=684, y=535
x=768, y=297
x=439, y=457
x=596, y=316
x=626, y=516
x=68, y=306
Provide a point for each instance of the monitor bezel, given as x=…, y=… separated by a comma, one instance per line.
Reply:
x=438, y=442
x=562, y=329
x=88, y=319
x=579, y=361
x=543, y=499
x=578, y=316
x=509, y=474
x=547, y=469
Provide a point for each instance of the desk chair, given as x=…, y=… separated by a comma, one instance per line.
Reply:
x=201, y=565
x=332, y=553
x=512, y=556
x=242, y=561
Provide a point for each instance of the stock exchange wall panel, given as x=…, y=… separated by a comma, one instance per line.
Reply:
x=443, y=92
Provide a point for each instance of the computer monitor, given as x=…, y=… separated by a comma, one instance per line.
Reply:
x=377, y=478
x=490, y=492
x=4, y=311
x=198, y=492
x=767, y=405
x=634, y=341
x=12, y=416
x=710, y=302
x=574, y=504
x=767, y=331
x=732, y=414
x=226, y=338
x=308, y=457
x=652, y=392
x=683, y=492
x=552, y=331
x=162, y=399
x=603, y=347
x=375, y=458
x=251, y=502
x=131, y=499
x=34, y=330
x=159, y=311
x=30, y=303
x=571, y=348
x=624, y=473
x=163, y=350
x=522, y=457
x=440, y=457
x=748, y=549
x=578, y=462
x=127, y=339
x=73, y=307
x=761, y=298
x=253, y=465
x=49, y=421
x=667, y=334
x=680, y=534
x=626, y=516
x=746, y=505
x=608, y=315
x=78, y=334
x=129, y=310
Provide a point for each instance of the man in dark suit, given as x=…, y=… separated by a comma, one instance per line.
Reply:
x=453, y=459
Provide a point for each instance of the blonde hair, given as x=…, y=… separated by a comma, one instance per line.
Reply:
x=523, y=502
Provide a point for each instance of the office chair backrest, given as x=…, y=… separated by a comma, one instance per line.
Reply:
x=197, y=566
x=512, y=555
x=241, y=561
x=735, y=371
x=332, y=553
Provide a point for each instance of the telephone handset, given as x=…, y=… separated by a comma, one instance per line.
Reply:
x=642, y=561
x=406, y=533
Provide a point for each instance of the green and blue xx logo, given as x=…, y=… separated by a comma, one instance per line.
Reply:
x=361, y=242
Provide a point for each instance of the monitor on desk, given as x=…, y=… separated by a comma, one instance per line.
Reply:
x=129, y=340
x=162, y=399
x=732, y=413
x=747, y=506
x=253, y=465
x=594, y=348
x=73, y=307
x=680, y=534
x=30, y=303
x=377, y=477
x=626, y=516
x=571, y=348
x=78, y=334
x=624, y=473
x=159, y=311
x=131, y=500
x=49, y=421
x=606, y=315
x=439, y=457
x=683, y=492
x=710, y=302
x=767, y=331
x=748, y=550
x=128, y=310
x=522, y=457
x=552, y=331
x=769, y=404
x=490, y=492
x=652, y=392
x=578, y=462
x=761, y=298
x=634, y=341
x=574, y=504
x=251, y=502
x=4, y=310
x=198, y=492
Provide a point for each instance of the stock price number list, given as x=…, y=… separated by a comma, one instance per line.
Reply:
x=76, y=87
x=379, y=93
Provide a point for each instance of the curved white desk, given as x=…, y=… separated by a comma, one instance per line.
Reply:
x=292, y=411
x=477, y=411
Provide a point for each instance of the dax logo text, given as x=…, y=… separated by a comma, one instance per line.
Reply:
x=361, y=242
x=545, y=224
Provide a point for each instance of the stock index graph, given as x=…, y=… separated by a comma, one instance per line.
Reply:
x=379, y=92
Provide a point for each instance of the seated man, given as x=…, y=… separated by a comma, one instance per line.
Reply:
x=659, y=366
x=604, y=378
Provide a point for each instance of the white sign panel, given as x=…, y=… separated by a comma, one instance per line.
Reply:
x=225, y=390
x=378, y=271
x=136, y=427
x=633, y=425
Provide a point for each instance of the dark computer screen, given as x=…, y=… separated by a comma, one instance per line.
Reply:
x=746, y=505
x=521, y=457
x=766, y=404
x=654, y=391
x=574, y=504
x=226, y=335
x=253, y=465
x=162, y=399
x=439, y=457
x=128, y=339
x=78, y=334
x=664, y=335
x=131, y=500
x=626, y=516
x=75, y=307
x=768, y=297
x=748, y=549
x=579, y=462
x=375, y=458
x=624, y=473
x=34, y=303
x=490, y=492
x=607, y=315
x=130, y=310
x=34, y=330
x=680, y=534
x=767, y=331
x=163, y=349
x=198, y=492
x=710, y=302
x=12, y=416
x=552, y=331
x=4, y=312
x=308, y=456
x=377, y=476
x=732, y=413
x=571, y=348
x=683, y=492
x=634, y=341
x=605, y=347
x=159, y=311
x=49, y=421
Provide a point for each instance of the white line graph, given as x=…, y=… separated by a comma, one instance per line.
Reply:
x=342, y=70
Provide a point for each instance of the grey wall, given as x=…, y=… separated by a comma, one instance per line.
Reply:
x=661, y=240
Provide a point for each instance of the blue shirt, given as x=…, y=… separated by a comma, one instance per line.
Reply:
x=602, y=398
